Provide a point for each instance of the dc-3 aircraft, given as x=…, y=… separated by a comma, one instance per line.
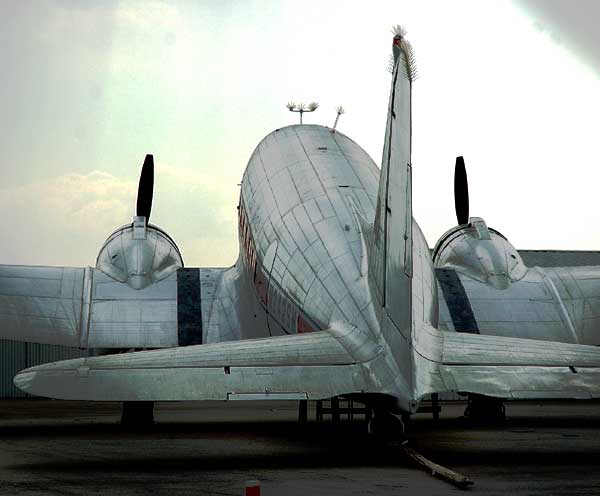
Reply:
x=335, y=293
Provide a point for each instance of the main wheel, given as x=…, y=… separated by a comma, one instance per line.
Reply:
x=386, y=425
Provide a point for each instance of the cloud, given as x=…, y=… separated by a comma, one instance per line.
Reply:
x=82, y=201
x=573, y=24
x=64, y=220
x=149, y=15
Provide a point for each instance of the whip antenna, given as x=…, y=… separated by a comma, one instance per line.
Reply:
x=340, y=110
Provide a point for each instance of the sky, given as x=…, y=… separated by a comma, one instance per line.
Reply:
x=88, y=88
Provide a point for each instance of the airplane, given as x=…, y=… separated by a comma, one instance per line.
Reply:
x=335, y=293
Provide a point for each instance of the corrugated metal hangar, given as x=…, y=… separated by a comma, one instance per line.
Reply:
x=16, y=356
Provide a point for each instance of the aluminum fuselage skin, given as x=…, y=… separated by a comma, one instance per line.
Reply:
x=306, y=205
x=303, y=194
x=308, y=200
x=326, y=244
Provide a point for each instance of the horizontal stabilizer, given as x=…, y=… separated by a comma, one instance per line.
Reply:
x=316, y=365
x=519, y=368
x=475, y=349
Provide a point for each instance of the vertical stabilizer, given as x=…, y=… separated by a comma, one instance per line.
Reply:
x=390, y=253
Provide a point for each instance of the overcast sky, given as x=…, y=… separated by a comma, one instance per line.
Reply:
x=88, y=88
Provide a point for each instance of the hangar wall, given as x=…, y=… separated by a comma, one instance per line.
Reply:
x=558, y=258
x=16, y=356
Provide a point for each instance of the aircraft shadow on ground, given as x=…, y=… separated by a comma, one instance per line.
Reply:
x=286, y=428
x=316, y=445
x=521, y=422
x=324, y=458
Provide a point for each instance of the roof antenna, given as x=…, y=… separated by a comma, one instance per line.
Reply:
x=301, y=108
x=340, y=110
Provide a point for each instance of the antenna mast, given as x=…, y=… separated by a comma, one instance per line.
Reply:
x=340, y=110
x=301, y=108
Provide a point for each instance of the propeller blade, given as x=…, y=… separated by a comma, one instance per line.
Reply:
x=146, y=188
x=461, y=192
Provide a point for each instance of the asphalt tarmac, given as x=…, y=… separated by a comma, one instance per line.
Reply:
x=78, y=448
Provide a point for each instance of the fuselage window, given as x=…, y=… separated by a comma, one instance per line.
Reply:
x=304, y=325
x=261, y=282
x=278, y=305
x=249, y=249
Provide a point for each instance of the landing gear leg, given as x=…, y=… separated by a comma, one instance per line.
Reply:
x=137, y=413
x=485, y=409
x=303, y=412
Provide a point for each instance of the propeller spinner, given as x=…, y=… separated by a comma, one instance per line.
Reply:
x=461, y=192
x=146, y=188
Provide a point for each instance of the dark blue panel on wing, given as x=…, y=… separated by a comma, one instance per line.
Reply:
x=457, y=301
x=189, y=308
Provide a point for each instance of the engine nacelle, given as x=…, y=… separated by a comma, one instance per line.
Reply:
x=480, y=253
x=139, y=254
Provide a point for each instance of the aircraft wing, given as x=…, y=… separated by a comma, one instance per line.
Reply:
x=85, y=308
x=315, y=365
x=549, y=304
x=519, y=368
x=42, y=304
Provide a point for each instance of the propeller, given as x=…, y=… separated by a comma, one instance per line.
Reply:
x=461, y=192
x=146, y=188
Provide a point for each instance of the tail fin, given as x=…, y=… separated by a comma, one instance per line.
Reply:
x=390, y=253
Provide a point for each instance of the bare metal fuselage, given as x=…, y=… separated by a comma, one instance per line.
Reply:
x=307, y=204
x=301, y=244
x=327, y=243
x=303, y=254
